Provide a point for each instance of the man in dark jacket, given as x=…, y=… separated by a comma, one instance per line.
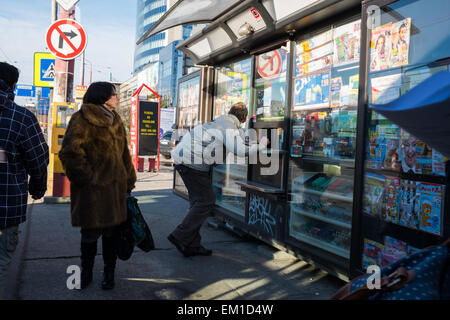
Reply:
x=23, y=153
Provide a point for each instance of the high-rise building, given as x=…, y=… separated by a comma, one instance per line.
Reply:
x=148, y=12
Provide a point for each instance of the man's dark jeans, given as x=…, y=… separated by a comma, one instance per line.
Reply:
x=201, y=199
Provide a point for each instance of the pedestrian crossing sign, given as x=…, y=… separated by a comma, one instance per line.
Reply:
x=44, y=69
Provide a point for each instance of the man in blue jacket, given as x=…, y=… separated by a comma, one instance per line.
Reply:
x=23, y=153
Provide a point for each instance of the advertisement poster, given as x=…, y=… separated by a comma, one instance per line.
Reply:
x=385, y=89
x=347, y=40
x=390, y=45
x=312, y=91
x=430, y=215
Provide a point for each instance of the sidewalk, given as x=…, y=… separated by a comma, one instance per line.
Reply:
x=238, y=269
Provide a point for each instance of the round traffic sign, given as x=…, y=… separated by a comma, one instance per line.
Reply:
x=66, y=39
x=269, y=64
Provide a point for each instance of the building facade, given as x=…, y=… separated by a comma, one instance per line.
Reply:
x=148, y=12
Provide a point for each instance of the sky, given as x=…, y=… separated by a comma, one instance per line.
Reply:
x=110, y=26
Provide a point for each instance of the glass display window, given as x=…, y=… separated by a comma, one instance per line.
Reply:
x=323, y=138
x=404, y=180
x=233, y=84
x=189, y=103
x=270, y=85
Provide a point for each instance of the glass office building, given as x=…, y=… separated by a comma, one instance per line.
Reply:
x=148, y=12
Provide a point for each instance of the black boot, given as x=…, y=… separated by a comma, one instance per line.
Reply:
x=88, y=252
x=109, y=258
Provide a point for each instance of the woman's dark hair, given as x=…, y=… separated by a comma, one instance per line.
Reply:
x=9, y=74
x=99, y=92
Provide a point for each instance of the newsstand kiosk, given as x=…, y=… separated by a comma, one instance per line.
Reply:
x=351, y=189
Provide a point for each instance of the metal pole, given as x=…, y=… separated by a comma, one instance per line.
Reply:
x=82, y=70
x=54, y=11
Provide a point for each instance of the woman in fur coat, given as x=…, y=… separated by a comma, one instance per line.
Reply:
x=97, y=161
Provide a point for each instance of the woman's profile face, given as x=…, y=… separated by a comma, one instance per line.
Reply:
x=112, y=102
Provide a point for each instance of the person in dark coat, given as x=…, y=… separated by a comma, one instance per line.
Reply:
x=97, y=161
x=23, y=154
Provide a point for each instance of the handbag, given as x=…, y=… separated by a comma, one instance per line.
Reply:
x=142, y=235
x=424, y=275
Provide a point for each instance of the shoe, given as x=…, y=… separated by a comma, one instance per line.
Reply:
x=200, y=251
x=108, y=278
x=184, y=250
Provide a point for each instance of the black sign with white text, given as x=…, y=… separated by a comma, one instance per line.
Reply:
x=148, y=129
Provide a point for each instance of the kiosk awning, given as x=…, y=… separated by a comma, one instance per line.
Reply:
x=187, y=12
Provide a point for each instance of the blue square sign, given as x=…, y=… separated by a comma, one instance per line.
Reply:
x=47, y=72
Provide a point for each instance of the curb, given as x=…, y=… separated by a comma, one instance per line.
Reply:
x=56, y=200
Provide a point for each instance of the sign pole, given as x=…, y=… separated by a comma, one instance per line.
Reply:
x=62, y=93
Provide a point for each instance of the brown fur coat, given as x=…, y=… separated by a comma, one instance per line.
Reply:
x=97, y=161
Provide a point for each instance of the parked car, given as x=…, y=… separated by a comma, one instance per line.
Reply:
x=166, y=144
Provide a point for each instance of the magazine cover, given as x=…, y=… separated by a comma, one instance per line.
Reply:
x=380, y=46
x=389, y=135
x=430, y=215
x=393, y=250
x=392, y=158
x=424, y=157
x=371, y=253
x=409, y=204
x=400, y=42
x=408, y=154
x=347, y=43
x=373, y=194
x=380, y=151
x=336, y=85
x=391, y=198
x=385, y=89
x=438, y=163
x=312, y=91
x=353, y=90
x=371, y=147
